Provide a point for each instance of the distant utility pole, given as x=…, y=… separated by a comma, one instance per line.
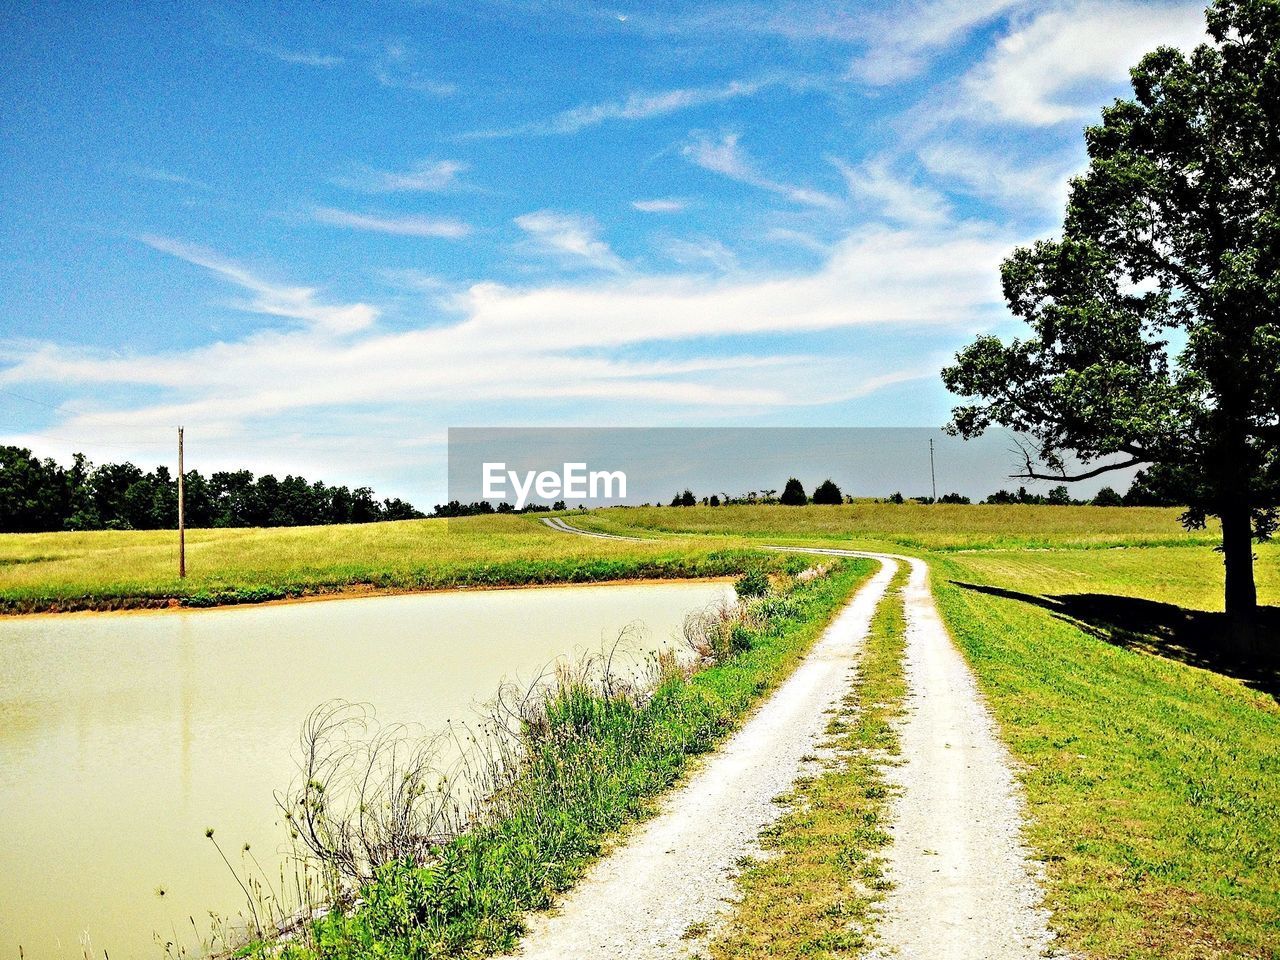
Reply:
x=933, y=477
x=182, y=513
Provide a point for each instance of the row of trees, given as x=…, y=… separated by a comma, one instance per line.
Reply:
x=37, y=495
x=793, y=495
x=480, y=508
x=1145, y=491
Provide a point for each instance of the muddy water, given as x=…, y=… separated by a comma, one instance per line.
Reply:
x=124, y=736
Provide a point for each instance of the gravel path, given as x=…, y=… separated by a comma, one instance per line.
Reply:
x=675, y=872
x=964, y=886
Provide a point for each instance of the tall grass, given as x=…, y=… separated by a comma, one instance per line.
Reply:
x=420, y=864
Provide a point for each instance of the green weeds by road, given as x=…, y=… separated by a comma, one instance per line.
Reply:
x=593, y=763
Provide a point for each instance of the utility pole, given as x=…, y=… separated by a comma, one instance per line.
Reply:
x=933, y=477
x=182, y=518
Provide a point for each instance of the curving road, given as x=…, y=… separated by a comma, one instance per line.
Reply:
x=964, y=886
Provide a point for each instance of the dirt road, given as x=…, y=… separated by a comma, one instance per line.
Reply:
x=675, y=872
x=964, y=886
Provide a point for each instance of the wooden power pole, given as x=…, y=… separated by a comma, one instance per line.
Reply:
x=933, y=477
x=182, y=517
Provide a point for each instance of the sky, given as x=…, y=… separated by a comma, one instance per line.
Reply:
x=319, y=235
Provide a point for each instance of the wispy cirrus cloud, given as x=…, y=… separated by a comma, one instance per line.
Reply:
x=1047, y=69
x=396, y=67
x=645, y=105
x=894, y=278
x=1038, y=184
x=649, y=104
x=404, y=226
x=572, y=239
x=160, y=175
x=900, y=41
x=660, y=205
x=305, y=58
x=727, y=157
x=270, y=299
x=892, y=196
x=545, y=343
x=426, y=176
x=700, y=250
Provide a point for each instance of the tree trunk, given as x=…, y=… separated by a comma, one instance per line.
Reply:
x=1237, y=552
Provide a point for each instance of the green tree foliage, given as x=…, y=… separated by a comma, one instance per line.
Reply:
x=1107, y=497
x=793, y=494
x=828, y=493
x=1171, y=236
x=41, y=495
x=1058, y=497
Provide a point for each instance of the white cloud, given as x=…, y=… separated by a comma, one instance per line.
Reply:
x=701, y=250
x=877, y=277
x=725, y=156
x=649, y=104
x=569, y=237
x=901, y=41
x=414, y=226
x=395, y=68
x=306, y=58
x=797, y=238
x=660, y=205
x=159, y=175
x=296, y=303
x=893, y=197
x=644, y=105
x=541, y=343
x=1046, y=70
x=427, y=176
x=994, y=175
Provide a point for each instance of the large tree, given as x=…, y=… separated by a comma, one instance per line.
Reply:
x=1155, y=319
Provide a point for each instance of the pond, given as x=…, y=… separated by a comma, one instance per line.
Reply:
x=124, y=736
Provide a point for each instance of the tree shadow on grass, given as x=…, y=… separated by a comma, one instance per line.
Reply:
x=1194, y=637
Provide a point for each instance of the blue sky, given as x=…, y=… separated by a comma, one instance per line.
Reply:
x=319, y=235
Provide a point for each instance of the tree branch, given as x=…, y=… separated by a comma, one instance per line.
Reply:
x=1107, y=468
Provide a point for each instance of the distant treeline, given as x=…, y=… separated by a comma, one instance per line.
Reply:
x=456, y=508
x=1146, y=490
x=793, y=495
x=38, y=495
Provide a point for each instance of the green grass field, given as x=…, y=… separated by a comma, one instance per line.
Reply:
x=919, y=527
x=1148, y=753
x=111, y=569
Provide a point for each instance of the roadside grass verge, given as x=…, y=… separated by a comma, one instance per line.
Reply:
x=106, y=570
x=591, y=761
x=1153, y=787
x=812, y=894
x=915, y=526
